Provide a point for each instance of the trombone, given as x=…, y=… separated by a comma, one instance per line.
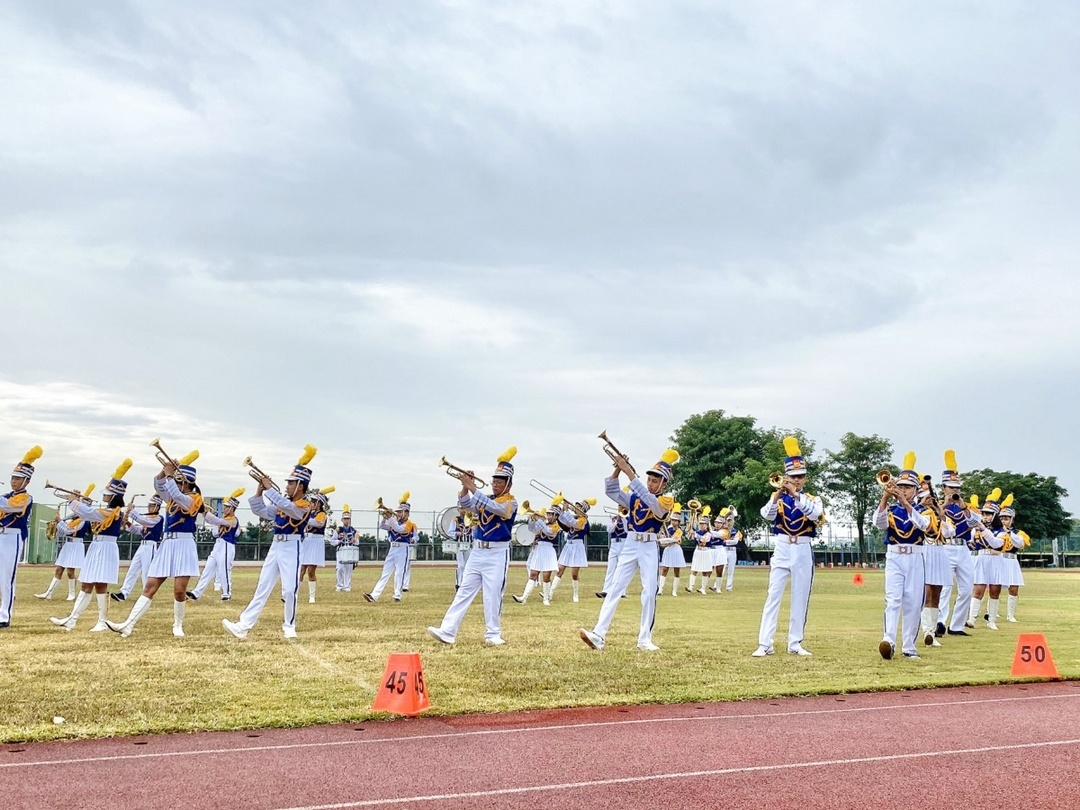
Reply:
x=558, y=498
x=614, y=453
x=258, y=474
x=457, y=472
x=164, y=459
x=61, y=493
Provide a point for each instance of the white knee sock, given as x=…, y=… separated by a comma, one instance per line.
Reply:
x=179, y=610
x=1011, y=609
x=554, y=584
x=545, y=590
x=311, y=589
x=575, y=583
x=992, y=609
x=675, y=586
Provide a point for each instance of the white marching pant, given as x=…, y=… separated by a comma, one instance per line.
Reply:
x=794, y=561
x=219, y=565
x=614, y=550
x=962, y=565
x=904, y=591
x=462, y=558
x=642, y=558
x=344, y=575
x=406, y=578
x=732, y=559
x=11, y=544
x=486, y=570
x=282, y=563
x=396, y=564
x=140, y=564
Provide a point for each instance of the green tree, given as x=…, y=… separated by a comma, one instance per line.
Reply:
x=713, y=446
x=849, y=477
x=1038, y=500
x=748, y=488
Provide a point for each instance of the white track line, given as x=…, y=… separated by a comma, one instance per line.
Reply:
x=629, y=780
x=526, y=730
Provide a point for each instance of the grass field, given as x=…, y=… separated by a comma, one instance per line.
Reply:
x=104, y=685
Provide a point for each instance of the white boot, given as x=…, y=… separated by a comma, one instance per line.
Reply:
x=179, y=609
x=690, y=587
x=71, y=590
x=138, y=609
x=529, y=586
x=554, y=584
x=102, y=613
x=716, y=584
x=68, y=623
x=311, y=593
x=660, y=584
x=575, y=583
x=992, y=609
x=973, y=611
x=545, y=592
x=675, y=586
x=929, y=624
x=1010, y=613
x=48, y=591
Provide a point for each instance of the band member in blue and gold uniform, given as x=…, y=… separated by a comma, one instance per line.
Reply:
x=401, y=533
x=313, y=546
x=649, y=508
x=347, y=545
x=671, y=551
x=575, y=522
x=14, y=523
x=101, y=567
x=904, y=524
x=702, y=561
x=70, y=556
x=489, y=560
x=794, y=515
x=177, y=556
x=542, y=559
x=220, y=562
x=1012, y=542
x=289, y=512
x=150, y=528
x=988, y=574
x=961, y=563
x=616, y=538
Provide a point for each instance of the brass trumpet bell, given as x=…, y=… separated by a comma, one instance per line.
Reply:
x=884, y=478
x=457, y=472
x=776, y=480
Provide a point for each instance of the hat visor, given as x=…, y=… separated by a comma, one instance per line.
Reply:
x=502, y=474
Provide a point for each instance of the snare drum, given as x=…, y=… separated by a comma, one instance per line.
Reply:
x=348, y=554
x=523, y=535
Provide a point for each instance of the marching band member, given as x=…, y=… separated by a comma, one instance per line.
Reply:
x=401, y=533
x=313, y=546
x=904, y=525
x=489, y=562
x=794, y=516
x=961, y=562
x=573, y=555
x=178, y=556
x=988, y=575
x=71, y=533
x=715, y=544
x=671, y=551
x=936, y=566
x=289, y=513
x=720, y=538
x=731, y=544
x=460, y=532
x=702, y=561
x=1012, y=542
x=649, y=507
x=542, y=558
x=616, y=540
x=101, y=567
x=344, y=538
x=14, y=522
x=150, y=528
x=219, y=564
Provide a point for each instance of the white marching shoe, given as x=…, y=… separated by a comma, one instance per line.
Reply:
x=590, y=638
x=66, y=623
x=233, y=628
x=100, y=627
x=647, y=646
x=762, y=651
x=797, y=649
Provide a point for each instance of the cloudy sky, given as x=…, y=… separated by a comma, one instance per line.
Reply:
x=402, y=230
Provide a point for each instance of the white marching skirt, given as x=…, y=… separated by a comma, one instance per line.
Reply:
x=937, y=568
x=573, y=555
x=1010, y=572
x=102, y=562
x=543, y=557
x=313, y=550
x=988, y=569
x=177, y=556
x=673, y=557
x=72, y=554
x=702, y=562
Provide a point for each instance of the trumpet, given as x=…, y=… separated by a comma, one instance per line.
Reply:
x=258, y=474
x=60, y=492
x=457, y=472
x=383, y=509
x=532, y=514
x=885, y=478
x=614, y=453
x=776, y=480
x=164, y=459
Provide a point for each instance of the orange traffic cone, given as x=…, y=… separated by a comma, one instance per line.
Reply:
x=402, y=690
x=1033, y=659
x=857, y=579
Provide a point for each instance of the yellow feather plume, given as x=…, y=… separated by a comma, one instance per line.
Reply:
x=725, y=512
x=88, y=490
x=236, y=493
x=677, y=507
x=995, y=495
x=32, y=455
x=791, y=446
x=404, y=496
x=973, y=502
x=590, y=501
x=190, y=458
x=909, y=460
x=1005, y=504
x=121, y=471
x=707, y=510
x=327, y=490
x=671, y=455
x=346, y=508
x=508, y=454
x=555, y=503
x=950, y=460
x=309, y=454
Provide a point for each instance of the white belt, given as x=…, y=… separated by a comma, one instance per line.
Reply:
x=1009, y=555
x=904, y=548
x=989, y=552
x=642, y=537
x=9, y=530
x=491, y=544
x=284, y=537
x=795, y=541
x=399, y=545
x=175, y=535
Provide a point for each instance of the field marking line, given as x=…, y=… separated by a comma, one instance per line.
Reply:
x=525, y=730
x=630, y=780
x=331, y=667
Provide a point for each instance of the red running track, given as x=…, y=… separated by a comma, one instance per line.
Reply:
x=1016, y=744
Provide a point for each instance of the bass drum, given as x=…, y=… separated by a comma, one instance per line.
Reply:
x=523, y=535
x=445, y=521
